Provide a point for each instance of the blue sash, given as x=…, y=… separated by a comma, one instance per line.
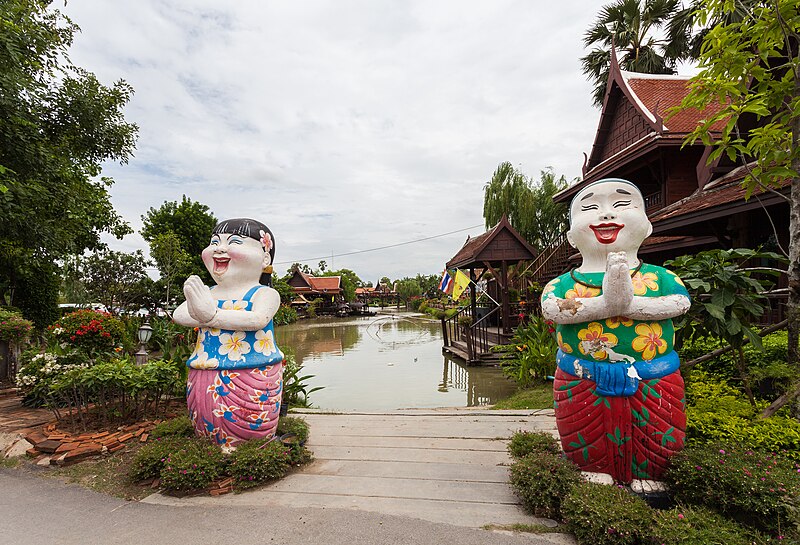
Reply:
x=618, y=379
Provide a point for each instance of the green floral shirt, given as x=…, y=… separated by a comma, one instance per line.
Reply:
x=617, y=339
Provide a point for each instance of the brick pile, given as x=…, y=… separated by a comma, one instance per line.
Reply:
x=54, y=447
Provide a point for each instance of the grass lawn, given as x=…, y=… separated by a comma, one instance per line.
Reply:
x=537, y=397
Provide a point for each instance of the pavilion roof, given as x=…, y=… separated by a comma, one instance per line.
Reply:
x=500, y=243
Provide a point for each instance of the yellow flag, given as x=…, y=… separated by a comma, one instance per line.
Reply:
x=460, y=283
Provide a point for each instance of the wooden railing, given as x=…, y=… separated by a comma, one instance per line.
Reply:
x=477, y=335
x=653, y=202
x=474, y=336
x=552, y=261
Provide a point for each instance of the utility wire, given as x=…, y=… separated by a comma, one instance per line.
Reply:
x=379, y=247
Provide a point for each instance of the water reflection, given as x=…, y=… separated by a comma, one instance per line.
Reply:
x=386, y=362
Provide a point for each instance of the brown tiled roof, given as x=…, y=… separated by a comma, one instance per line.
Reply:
x=715, y=194
x=501, y=242
x=652, y=241
x=659, y=95
x=472, y=246
x=323, y=283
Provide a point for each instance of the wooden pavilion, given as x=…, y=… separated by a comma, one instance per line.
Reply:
x=472, y=332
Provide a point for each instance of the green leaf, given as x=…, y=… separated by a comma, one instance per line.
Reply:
x=715, y=310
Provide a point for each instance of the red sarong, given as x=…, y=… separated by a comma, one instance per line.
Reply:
x=627, y=437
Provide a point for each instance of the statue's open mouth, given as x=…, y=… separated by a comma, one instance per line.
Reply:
x=221, y=264
x=606, y=233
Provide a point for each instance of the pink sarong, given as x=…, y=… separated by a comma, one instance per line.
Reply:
x=235, y=405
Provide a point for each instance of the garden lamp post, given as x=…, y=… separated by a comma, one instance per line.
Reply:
x=144, y=333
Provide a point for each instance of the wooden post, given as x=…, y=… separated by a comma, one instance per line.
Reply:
x=473, y=300
x=506, y=305
x=5, y=360
x=470, y=348
x=445, y=340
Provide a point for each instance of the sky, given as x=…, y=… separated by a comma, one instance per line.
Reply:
x=343, y=125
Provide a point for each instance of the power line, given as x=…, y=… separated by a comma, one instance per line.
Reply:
x=379, y=247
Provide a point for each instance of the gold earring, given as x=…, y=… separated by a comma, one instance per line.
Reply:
x=267, y=269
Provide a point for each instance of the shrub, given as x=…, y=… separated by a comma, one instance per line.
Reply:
x=256, y=462
x=192, y=466
x=531, y=355
x=527, y=442
x=175, y=427
x=761, y=490
x=294, y=425
x=415, y=303
x=38, y=371
x=717, y=412
x=541, y=479
x=118, y=389
x=607, y=515
x=766, y=367
x=150, y=459
x=13, y=327
x=295, y=388
x=90, y=331
x=686, y=525
x=285, y=315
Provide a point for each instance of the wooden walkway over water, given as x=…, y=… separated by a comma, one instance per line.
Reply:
x=440, y=465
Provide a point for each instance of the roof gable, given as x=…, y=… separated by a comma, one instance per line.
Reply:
x=500, y=243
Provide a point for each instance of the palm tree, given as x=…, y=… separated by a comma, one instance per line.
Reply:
x=685, y=40
x=631, y=26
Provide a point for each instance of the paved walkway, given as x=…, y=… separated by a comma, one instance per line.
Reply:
x=447, y=466
x=14, y=418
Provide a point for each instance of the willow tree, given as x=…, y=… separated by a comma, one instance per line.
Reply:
x=528, y=205
x=750, y=67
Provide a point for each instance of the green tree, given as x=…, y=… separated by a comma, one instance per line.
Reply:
x=350, y=281
x=528, y=206
x=114, y=278
x=283, y=288
x=632, y=27
x=191, y=221
x=408, y=288
x=58, y=124
x=685, y=38
x=727, y=297
x=428, y=283
x=750, y=68
x=171, y=259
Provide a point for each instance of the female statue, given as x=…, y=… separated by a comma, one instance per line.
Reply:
x=236, y=370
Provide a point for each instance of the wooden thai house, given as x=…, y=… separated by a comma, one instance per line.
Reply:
x=325, y=290
x=693, y=205
x=471, y=334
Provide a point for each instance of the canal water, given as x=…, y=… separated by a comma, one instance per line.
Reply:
x=386, y=362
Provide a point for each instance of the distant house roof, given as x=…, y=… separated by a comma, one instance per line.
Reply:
x=500, y=243
x=305, y=283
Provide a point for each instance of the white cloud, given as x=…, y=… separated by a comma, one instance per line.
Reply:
x=343, y=125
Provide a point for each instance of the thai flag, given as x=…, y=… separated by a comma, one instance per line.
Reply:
x=446, y=284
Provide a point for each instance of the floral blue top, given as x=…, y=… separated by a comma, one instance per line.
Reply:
x=228, y=349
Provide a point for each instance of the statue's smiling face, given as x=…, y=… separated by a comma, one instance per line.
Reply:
x=235, y=259
x=608, y=216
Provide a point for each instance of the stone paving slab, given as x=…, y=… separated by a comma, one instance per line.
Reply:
x=401, y=470
x=447, y=466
